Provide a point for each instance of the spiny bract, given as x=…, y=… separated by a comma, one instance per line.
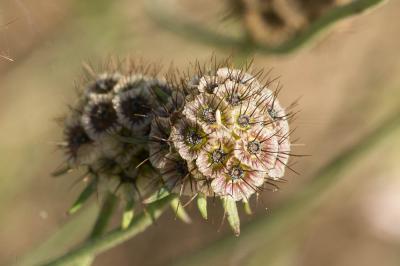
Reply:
x=217, y=132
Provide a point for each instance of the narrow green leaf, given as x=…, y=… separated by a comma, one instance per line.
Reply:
x=86, y=261
x=202, y=205
x=161, y=193
x=84, y=196
x=160, y=93
x=128, y=214
x=232, y=214
x=180, y=211
x=247, y=208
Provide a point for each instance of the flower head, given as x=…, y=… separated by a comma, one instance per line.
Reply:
x=219, y=133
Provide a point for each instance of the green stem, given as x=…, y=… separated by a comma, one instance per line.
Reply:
x=289, y=213
x=101, y=223
x=104, y=216
x=158, y=12
x=95, y=246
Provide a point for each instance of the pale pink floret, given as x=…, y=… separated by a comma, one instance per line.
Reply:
x=235, y=93
x=248, y=116
x=237, y=75
x=188, y=138
x=209, y=84
x=210, y=111
x=239, y=185
x=258, y=148
x=282, y=159
x=269, y=105
x=213, y=157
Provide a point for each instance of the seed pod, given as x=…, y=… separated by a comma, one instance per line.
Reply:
x=218, y=132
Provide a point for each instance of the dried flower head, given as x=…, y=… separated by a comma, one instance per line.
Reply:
x=103, y=85
x=78, y=146
x=99, y=117
x=274, y=22
x=159, y=143
x=218, y=132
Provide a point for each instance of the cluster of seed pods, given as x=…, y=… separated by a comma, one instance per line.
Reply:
x=217, y=132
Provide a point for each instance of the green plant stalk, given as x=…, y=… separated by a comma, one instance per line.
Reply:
x=104, y=216
x=158, y=12
x=290, y=212
x=63, y=237
x=101, y=224
x=95, y=246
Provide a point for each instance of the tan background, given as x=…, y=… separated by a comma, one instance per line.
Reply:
x=347, y=82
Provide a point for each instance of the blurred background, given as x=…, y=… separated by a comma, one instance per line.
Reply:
x=348, y=81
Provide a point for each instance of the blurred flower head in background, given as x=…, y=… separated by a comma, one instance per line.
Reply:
x=274, y=22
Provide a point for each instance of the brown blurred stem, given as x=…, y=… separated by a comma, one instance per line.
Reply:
x=160, y=13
